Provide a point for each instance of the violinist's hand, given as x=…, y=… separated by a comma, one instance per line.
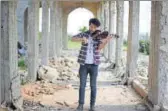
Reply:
x=109, y=37
x=84, y=40
x=106, y=39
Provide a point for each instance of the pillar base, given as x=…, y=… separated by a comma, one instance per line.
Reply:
x=165, y=108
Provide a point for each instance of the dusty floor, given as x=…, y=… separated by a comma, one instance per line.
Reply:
x=66, y=97
x=45, y=96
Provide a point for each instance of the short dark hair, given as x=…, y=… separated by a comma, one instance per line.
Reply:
x=94, y=21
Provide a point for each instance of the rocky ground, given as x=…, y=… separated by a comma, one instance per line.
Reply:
x=45, y=96
x=48, y=95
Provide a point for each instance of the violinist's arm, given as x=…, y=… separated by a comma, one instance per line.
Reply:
x=103, y=43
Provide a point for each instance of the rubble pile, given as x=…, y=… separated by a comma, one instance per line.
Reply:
x=63, y=69
x=42, y=87
x=142, y=69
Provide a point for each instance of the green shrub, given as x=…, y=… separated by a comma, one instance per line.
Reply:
x=125, y=43
x=147, y=47
x=83, y=29
x=144, y=46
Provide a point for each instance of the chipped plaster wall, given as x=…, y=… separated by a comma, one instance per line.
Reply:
x=158, y=61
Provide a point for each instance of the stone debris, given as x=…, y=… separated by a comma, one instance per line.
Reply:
x=47, y=73
x=67, y=99
x=23, y=76
x=42, y=87
x=142, y=71
x=63, y=69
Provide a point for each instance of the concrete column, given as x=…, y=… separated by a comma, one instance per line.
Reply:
x=25, y=26
x=106, y=23
x=52, y=52
x=158, y=59
x=10, y=80
x=133, y=35
x=57, y=29
x=111, y=45
x=33, y=45
x=120, y=31
x=0, y=64
x=65, y=35
x=99, y=12
x=61, y=26
x=22, y=20
x=45, y=32
x=102, y=16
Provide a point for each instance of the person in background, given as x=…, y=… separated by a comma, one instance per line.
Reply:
x=21, y=49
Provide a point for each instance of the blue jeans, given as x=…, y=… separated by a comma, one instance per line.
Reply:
x=83, y=72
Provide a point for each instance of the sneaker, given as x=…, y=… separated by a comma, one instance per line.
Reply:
x=80, y=107
x=92, y=108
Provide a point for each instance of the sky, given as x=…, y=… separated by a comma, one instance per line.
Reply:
x=80, y=17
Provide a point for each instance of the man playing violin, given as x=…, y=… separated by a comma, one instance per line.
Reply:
x=89, y=59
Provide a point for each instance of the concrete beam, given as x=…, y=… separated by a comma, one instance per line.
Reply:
x=111, y=45
x=10, y=80
x=158, y=59
x=33, y=45
x=120, y=31
x=140, y=89
x=133, y=35
x=45, y=32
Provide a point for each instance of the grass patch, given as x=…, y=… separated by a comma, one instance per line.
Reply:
x=21, y=64
x=124, y=47
x=74, y=45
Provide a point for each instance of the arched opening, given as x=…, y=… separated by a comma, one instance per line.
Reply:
x=77, y=22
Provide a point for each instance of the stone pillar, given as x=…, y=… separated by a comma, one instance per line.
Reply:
x=158, y=59
x=10, y=80
x=45, y=32
x=25, y=26
x=65, y=35
x=61, y=26
x=102, y=15
x=57, y=29
x=52, y=52
x=120, y=31
x=22, y=20
x=33, y=45
x=106, y=24
x=0, y=64
x=111, y=45
x=99, y=12
x=133, y=35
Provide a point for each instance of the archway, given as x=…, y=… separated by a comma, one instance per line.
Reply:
x=77, y=22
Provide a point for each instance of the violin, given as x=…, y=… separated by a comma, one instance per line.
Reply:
x=98, y=34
